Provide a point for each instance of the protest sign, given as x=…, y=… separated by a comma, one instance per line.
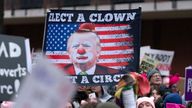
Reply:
x=163, y=57
x=147, y=63
x=36, y=56
x=46, y=87
x=112, y=51
x=143, y=50
x=188, y=83
x=15, y=63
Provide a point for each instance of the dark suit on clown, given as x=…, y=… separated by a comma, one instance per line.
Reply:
x=99, y=70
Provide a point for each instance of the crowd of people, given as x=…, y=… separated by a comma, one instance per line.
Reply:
x=134, y=90
x=146, y=90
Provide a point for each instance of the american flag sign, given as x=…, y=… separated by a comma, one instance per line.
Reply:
x=119, y=39
x=116, y=42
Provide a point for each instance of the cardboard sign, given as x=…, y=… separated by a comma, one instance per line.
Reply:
x=110, y=47
x=163, y=57
x=143, y=50
x=46, y=87
x=188, y=83
x=147, y=63
x=15, y=63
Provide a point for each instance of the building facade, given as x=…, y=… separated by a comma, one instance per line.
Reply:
x=166, y=24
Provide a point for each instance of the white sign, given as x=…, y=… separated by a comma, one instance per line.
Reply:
x=163, y=57
x=15, y=64
x=143, y=50
x=36, y=56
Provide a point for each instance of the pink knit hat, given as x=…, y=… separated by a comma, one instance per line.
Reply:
x=174, y=79
x=7, y=104
x=145, y=99
x=174, y=105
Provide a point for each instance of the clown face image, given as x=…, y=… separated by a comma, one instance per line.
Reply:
x=83, y=48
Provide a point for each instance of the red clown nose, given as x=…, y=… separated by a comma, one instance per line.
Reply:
x=81, y=51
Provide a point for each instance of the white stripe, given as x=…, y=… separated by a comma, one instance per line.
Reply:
x=117, y=67
x=56, y=53
x=128, y=51
x=65, y=61
x=114, y=60
x=124, y=27
x=116, y=44
x=114, y=36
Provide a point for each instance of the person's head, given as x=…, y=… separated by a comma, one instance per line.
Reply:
x=174, y=79
x=172, y=98
x=107, y=105
x=154, y=77
x=155, y=92
x=97, y=89
x=80, y=95
x=88, y=105
x=83, y=46
x=145, y=102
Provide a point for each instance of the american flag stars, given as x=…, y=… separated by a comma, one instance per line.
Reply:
x=57, y=36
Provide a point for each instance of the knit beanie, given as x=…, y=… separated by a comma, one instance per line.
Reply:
x=150, y=72
x=173, y=79
x=172, y=105
x=172, y=98
x=145, y=99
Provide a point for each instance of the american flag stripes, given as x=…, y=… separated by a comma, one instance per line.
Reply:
x=116, y=44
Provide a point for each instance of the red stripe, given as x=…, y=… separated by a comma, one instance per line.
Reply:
x=58, y=56
x=115, y=64
x=100, y=57
x=112, y=32
x=115, y=56
x=116, y=40
x=116, y=48
x=109, y=25
x=61, y=65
